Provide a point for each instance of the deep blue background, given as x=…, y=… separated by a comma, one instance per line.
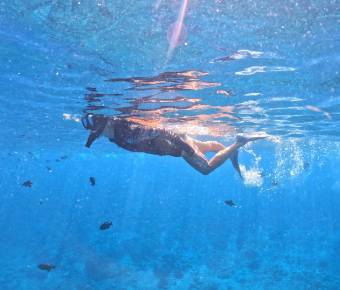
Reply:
x=170, y=225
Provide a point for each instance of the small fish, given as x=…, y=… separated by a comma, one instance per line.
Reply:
x=262, y=174
x=92, y=181
x=63, y=157
x=46, y=267
x=223, y=59
x=275, y=182
x=306, y=165
x=105, y=226
x=27, y=183
x=230, y=203
x=49, y=169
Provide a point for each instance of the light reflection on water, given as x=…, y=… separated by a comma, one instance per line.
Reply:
x=249, y=73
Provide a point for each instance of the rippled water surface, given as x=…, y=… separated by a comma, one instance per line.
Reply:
x=209, y=69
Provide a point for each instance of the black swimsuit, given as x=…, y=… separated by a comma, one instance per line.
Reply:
x=139, y=138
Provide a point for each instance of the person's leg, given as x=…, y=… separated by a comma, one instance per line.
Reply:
x=207, y=146
x=200, y=163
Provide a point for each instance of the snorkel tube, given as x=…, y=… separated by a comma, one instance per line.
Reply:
x=94, y=123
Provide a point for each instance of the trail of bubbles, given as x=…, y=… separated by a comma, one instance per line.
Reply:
x=252, y=176
x=289, y=160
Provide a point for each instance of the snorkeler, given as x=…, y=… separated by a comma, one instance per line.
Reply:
x=137, y=137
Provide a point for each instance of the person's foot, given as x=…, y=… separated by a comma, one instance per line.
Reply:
x=245, y=138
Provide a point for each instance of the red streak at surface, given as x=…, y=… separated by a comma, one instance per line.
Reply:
x=176, y=29
x=179, y=32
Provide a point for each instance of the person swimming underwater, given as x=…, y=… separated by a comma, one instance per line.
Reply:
x=137, y=137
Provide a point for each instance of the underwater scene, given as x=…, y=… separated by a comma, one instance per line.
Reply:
x=170, y=144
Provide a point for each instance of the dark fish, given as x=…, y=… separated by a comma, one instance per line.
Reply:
x=275, y=182
x=229, y=202
x=306, y=165
x=92, y=181
x=91, y=89
x=46, y=267
x=105, y=226
x=262, y=174
x=49, y=169
x=223, y=59
x=63, y=157
x=27, y=183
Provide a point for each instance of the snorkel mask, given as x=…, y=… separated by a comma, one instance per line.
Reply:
x=95, y=123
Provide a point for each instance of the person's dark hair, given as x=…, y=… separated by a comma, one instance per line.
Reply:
x=95, y=123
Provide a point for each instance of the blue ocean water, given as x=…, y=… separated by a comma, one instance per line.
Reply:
x=236, y=66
